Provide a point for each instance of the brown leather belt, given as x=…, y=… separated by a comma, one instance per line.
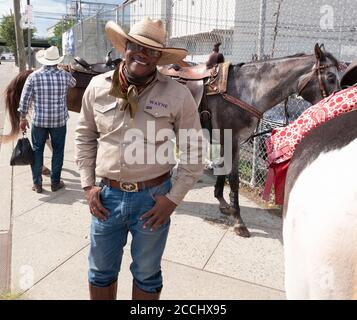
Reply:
x=136, y=186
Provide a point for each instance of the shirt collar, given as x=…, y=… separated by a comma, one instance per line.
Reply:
x=158, y=77
x=49, y=67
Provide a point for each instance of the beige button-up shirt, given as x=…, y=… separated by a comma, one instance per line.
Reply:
x=108, y=143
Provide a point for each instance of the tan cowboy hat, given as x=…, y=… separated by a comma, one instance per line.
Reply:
x=349, y=77
x=148, y=33
x=49, y=57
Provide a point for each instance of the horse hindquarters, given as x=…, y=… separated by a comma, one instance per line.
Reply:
x=320, y=229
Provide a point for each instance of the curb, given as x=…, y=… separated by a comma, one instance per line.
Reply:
x=6, y=177
x=6, y=213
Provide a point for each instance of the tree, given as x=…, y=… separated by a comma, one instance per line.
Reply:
x=7, y=33
x=60, y=28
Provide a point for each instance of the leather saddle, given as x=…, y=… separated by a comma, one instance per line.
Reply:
x=83, y=72
x=198, y=72
x=199, y=79
x=80, y=65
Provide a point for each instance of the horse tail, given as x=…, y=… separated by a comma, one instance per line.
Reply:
x=12, y=101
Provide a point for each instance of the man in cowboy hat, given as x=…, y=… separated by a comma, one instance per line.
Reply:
x=136, y=196
x=47, y=89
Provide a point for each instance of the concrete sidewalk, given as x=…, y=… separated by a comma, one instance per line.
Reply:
x=204, y=258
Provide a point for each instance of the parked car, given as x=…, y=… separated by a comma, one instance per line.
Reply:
x=7, y=56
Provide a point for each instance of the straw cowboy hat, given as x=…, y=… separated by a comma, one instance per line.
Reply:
x=349, y=78
x=49, y=57
x=148, y=33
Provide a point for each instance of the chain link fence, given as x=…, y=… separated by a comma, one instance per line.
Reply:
x=247, y=30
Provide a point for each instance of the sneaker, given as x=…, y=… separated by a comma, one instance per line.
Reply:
x=57, y=186
x=37, y=188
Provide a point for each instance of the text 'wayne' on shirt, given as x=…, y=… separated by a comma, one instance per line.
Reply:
x=47, y=89
x=102, y=142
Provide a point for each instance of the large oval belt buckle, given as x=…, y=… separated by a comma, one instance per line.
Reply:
x=129, y=186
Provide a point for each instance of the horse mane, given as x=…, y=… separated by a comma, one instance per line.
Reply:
x=297, y=55
x=12, y=99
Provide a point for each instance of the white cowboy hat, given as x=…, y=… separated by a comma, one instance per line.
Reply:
x=49, y=57
x=148, y=33
x=349, y=77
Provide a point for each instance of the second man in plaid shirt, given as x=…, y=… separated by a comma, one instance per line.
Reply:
x=47, y=89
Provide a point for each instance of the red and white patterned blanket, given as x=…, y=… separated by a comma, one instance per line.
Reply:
x=283, y=141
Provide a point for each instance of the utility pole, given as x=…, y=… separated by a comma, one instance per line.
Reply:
x=168, y=22
x=260, y=53
x=29, y=22
x=21, y=60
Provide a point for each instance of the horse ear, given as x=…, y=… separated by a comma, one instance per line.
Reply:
x=318, y=52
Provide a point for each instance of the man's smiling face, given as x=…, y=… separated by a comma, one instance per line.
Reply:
x=140, y=61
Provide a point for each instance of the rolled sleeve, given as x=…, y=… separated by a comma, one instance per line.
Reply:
x=191, y=164
x=86, y=140
x=26, y=97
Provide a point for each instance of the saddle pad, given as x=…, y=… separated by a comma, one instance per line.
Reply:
x=283, y=141
x=82, y=79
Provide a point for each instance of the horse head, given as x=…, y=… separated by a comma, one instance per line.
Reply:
x=323, y=78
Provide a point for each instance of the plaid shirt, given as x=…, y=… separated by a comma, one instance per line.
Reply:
x=47, y=88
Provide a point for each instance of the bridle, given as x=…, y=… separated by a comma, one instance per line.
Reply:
x=316, y=71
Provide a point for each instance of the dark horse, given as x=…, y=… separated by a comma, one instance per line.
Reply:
x=264, y=85
x=260, y=84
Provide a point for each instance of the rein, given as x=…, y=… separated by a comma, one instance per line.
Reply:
x=317, y=72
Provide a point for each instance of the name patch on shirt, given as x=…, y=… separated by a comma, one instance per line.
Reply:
x=156, y=104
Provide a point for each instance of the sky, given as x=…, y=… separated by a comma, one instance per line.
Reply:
x=46, y=12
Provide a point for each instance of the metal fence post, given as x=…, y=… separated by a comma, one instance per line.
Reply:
x=260, y=53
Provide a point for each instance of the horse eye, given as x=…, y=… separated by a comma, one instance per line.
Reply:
x=331, y=78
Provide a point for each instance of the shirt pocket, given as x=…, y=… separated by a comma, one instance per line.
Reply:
x=161, y=120
x=104, y=116
x=161, y=116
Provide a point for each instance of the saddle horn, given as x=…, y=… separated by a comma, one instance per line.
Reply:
x=108, y=58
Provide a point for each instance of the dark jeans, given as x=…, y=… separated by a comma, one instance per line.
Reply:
x=58, y=138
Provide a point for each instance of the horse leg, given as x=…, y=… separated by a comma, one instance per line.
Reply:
x=219, y=187
x=233, y=179
x=218, y=193
x=240, y=228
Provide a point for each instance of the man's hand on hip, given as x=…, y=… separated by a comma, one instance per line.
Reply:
x=95, y=205
x=159, y=214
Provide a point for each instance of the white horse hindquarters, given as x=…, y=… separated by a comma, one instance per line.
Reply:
x=320, y=228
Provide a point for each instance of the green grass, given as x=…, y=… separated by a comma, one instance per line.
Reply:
x=10, y=296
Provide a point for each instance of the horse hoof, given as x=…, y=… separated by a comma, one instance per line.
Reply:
x=242, y=231
x=228, y=211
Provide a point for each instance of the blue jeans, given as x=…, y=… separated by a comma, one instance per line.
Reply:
x=58, y=138
x=109, y=237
